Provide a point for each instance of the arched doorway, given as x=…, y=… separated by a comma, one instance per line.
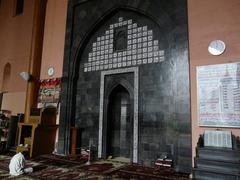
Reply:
x=119, y=124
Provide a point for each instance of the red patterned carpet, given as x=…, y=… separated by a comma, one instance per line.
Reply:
x=64, y=168
x=140, y=172
x=97, y=168
x=60, y=161
x=4, y=162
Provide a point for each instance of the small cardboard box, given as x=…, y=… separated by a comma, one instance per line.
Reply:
x=27, y=140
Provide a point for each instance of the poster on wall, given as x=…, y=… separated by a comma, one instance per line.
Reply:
x=49, y=92
x=218, y=95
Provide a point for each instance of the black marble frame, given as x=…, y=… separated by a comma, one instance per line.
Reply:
x=169, y=15
x=109, y=87
x=74, y=45
x=133, y=88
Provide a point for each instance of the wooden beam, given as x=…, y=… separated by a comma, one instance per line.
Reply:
x=35, y=56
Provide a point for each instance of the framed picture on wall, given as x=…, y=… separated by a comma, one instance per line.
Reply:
x=218, y=95
x=49, y=92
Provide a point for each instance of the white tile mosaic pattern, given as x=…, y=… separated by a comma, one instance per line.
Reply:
x=141, y=49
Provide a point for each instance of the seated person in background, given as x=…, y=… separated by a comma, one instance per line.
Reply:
x=17, y=164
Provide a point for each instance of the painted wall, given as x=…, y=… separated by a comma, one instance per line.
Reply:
x=16, y=33
x=53, y=41
x=18, y=98
x=54, y=36
x=210, y=20
x=15, y=38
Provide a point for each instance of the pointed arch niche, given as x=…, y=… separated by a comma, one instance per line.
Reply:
x=6, y=77
x=104, y=100
x=119, y=123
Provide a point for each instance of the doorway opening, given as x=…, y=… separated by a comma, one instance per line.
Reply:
x=119, y=124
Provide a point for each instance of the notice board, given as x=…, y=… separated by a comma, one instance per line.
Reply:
x=218, y=95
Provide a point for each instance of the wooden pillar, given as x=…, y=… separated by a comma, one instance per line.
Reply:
x=1, y=95
x=73, y=140
x=35, y=56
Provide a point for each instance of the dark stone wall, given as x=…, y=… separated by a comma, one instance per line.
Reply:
x=164, y=99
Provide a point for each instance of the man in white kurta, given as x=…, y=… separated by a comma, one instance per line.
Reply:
x=17, y=165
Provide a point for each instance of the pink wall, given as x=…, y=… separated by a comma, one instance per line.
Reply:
x=15, y=38
x=53, y=42
x=211, y=20
x=54, y=36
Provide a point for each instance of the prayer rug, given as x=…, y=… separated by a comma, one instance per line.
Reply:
x=5, y=175
x=59, y=173
x=5, y=160
x=97, y=167
x=44, y=168
x=57, y=160
x=141, y=173
x=102, y=166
